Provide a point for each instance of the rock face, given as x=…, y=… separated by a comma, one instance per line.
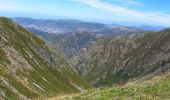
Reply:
x=30, y=68
x=124, y=58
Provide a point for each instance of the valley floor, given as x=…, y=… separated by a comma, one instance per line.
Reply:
x=158, y=88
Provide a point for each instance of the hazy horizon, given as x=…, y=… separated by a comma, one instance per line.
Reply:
x=128, y=12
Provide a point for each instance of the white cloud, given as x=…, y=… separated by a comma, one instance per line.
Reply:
x=149, y=17
x=128, y=2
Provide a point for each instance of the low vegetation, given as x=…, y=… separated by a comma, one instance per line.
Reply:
x=158, y=88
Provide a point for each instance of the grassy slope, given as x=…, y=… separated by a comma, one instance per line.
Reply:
x=54, y=76
x=158, y=88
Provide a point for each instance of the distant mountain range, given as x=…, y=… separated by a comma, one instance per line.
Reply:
x=67, y=26
x=72, y=35
x=150, y=28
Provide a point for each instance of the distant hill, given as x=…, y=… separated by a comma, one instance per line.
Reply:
x=150, y=28
x=67, y=26
x=30, y=68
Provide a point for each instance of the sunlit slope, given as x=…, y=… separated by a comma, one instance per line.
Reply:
x=158, y=88
x=30, y=68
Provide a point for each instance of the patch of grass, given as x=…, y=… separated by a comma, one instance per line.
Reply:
x=157, y=88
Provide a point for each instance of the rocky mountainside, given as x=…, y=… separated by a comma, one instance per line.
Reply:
x=30, y=68
x=124, y=58
x=71, y=43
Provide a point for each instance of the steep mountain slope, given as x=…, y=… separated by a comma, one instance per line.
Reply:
x=44, y=35
x=158, y=88
x=124, y=58
x=71, y=43
x=30, y=68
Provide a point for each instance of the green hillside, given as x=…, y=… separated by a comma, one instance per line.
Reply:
x=155, y=89
x=30, y=68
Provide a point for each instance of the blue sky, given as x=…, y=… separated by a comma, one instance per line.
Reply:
x=154, y=12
